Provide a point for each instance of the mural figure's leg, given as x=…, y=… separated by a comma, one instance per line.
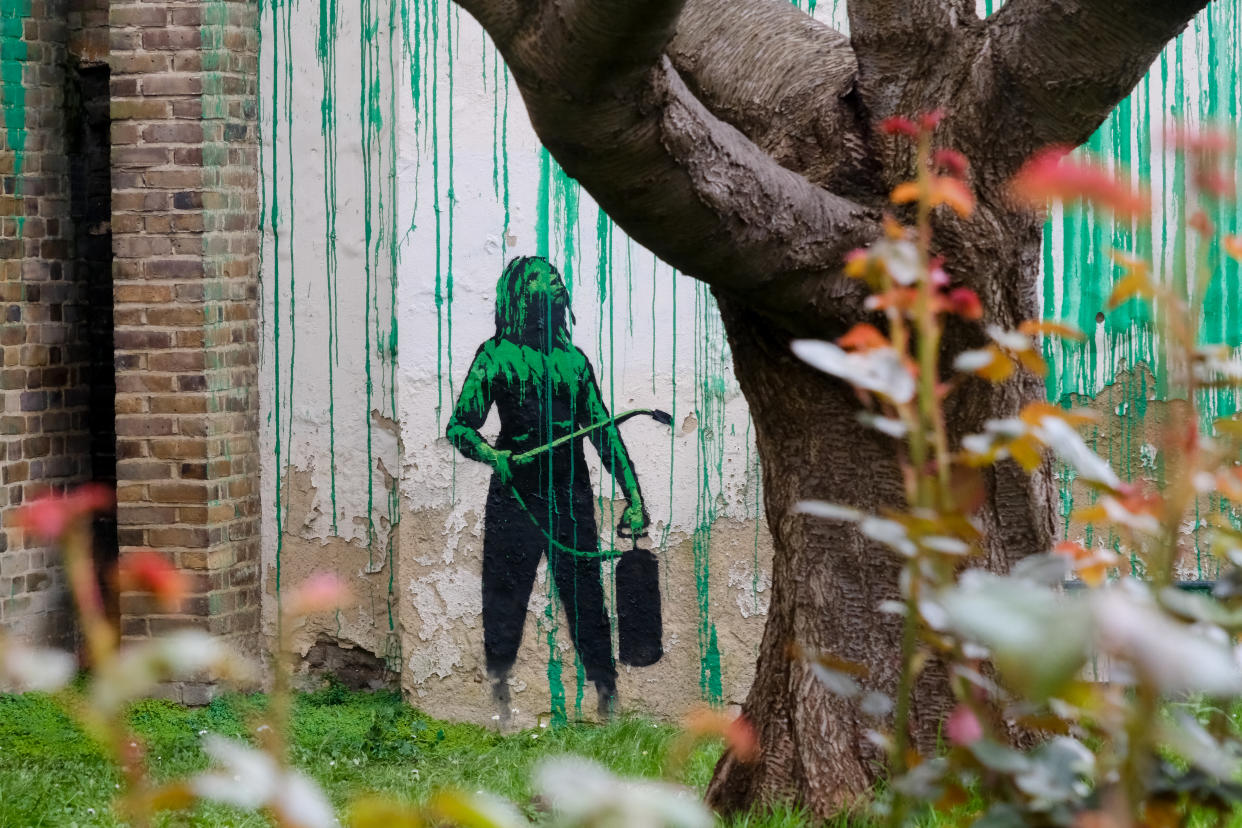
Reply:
x=501, y=698
x=510, y=563
x=581, y=589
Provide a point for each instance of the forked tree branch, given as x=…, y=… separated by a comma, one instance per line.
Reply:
x=677, y=179
x=783, y=79
x=1050, y=71
x=898, y=43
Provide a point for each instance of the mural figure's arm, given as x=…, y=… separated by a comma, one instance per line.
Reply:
x=469, y=413
x=607, y=441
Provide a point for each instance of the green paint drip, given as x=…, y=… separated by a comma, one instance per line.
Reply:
x=543, y=219
x=392, y=650
x=710, y=358
x=273, y=227
x=654, y=337
x=326, y=53
x=753, y=472
x=567, y=198
x=556, y=686
x=495, y=116
x=450, y=13
x=603, y=244
x=13, y=56
x=672, y=435
x=504, y=154
x=292, y=224
x=371, y=120
x=433, y=24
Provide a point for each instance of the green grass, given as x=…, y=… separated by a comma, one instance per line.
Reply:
x=351, y=743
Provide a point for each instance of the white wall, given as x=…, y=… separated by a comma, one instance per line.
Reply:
x=446, y=161
x=434, y=153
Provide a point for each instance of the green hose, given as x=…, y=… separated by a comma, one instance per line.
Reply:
x=656, y=414
x=662, y=417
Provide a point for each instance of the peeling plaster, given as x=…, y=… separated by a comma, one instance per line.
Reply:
x=752, y=587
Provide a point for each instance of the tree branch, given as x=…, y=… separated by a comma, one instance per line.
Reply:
x=796, y=109
x=706, y=200
x=609, y=41
x=499, y=17
x=1051, y=71
x=898, y=42
x=677, y=179
x=583, y=47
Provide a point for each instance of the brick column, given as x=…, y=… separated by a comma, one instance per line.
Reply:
x=186, y=269
x=44, y=439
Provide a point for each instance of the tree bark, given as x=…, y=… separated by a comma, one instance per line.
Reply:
x=828, y=580
x=740, y=142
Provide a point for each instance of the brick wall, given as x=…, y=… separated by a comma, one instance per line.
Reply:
x=185, y=245
x=165, y=245
x=44, y=426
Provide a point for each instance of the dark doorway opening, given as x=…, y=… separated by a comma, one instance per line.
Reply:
x=90, y=189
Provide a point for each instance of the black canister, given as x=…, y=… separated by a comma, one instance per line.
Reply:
x=640, y=627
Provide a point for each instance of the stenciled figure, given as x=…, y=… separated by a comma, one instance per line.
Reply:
x=544, y=389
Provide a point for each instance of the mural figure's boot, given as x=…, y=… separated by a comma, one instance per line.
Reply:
x=502, y=700
x=607, y=692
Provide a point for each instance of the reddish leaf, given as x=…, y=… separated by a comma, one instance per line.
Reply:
x=963, y=727
x=965, y=303
x=863, y=337
x=951, y=161
x=50, y=516
x=320, y=592
x=146, y=570
x=897, y=125
x=1049, y=175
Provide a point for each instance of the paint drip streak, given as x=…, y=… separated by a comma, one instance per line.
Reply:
x=13, y=56
x=368, y=105
x=326, y=54
x=274, y=229
x=292, y=224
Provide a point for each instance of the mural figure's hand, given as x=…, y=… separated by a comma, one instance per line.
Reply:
x=634, y=519
x=501, y=461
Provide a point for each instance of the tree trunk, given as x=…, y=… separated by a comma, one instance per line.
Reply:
x=828, y=580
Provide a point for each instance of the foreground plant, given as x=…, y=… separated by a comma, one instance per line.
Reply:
x=258, y=776
x=1013, y=647
x=255, y=778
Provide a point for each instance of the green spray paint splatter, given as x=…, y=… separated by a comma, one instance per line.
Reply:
x=381, y=247
x=1078, y=273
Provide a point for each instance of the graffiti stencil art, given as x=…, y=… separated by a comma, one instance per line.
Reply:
x=540, y=499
